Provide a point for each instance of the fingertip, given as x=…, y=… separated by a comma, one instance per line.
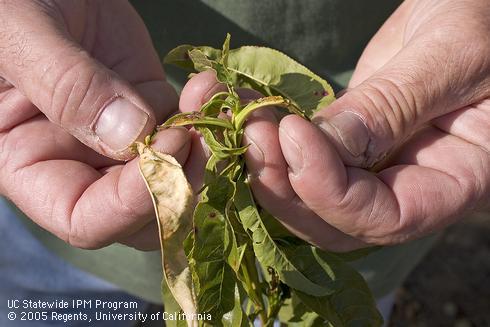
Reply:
x=261, y=123
x=145, y=239
x=289, y=121
x=175, y=141
x=294, y=131
x=198, y=90
x=308, y=137
x=196, y=163
x=316, y=169
x=161, y=98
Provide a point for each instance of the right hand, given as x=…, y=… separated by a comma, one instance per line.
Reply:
x=80, y=81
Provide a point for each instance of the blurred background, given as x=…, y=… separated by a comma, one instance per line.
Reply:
x=451, y=286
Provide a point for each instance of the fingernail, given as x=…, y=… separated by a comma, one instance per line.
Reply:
x=350, y=129
x=291, y=151
x=120, y=124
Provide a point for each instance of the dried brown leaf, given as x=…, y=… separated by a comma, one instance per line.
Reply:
x=173, y=200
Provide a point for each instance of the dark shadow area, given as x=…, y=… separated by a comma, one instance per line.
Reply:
x=327, y=36
x=172, y=23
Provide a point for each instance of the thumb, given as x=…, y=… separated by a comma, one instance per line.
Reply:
x=93, y=103
x=417, y=85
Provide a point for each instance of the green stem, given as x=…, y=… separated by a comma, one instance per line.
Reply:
x=241, y=117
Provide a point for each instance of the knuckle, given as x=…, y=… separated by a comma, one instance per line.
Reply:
x=379, y=221
x=474, y=179
x=471, y=80
x=389, y=108
x=4, y=154
x=78, y=232
x=387, y=231
x=72, y=88
x=76, y=236
x=393, y=102
x=13, y=154
x=397, y=230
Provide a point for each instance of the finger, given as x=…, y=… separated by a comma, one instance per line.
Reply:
x=161, y=97
x=15, y=108
x=384, y=45
x=477, y=116
x=400, y=203
x=467, y=163
x=196, y=162
x=37, y=139
x=266, y=167
x=198, y=90
x=412, y=88
x=79, y=205
x=92, y=102
x=268, y=176
x=146, y=239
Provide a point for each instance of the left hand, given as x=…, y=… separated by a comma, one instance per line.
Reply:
x=422, y=87
x=62, y=64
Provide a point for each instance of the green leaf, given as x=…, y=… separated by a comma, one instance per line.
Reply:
x=225, y=51
x=268, y=71
x=268, y=252
x=213, y=278
x=237, y=317
x=242, y=260
x=296, y=314
x=278, y=74
x=219, y=150
x=215, y=105
x=321, y=306
x=352, y=304
x=357, y=254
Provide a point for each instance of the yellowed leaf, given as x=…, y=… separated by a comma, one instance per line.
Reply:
x=173, y=200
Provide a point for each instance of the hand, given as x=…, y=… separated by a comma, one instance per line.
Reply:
x=424, y=77
x=73, y=72
x=420, y=93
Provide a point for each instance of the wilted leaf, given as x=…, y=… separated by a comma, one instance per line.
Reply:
x=180, y=56
x=173, y=201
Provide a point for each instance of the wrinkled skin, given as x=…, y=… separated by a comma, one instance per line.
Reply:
x=61, y=64
x=420, y=93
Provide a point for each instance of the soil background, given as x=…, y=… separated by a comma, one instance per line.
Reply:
x=451, y=286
